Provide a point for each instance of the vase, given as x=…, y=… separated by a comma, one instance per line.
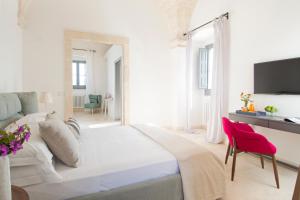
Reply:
x=5, y=186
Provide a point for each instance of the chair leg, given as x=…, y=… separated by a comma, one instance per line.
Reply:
x=262, y=161
x=227, y=153
x=275, y=170
x=233, y=163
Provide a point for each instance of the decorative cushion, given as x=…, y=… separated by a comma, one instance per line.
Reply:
x=52, y=115
x=29, y=101
x=71, y=123
x=10, y=105
x=74, y=127
x=61, y=141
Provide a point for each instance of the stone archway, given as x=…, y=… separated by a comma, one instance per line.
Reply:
x=69, y=36
x=178, y=14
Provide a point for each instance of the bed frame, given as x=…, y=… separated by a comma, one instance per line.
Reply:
x=13, y=106
x=166, y=188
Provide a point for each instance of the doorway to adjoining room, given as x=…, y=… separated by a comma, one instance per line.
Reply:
x=96, y=83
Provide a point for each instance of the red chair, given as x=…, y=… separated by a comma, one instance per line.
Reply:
x=242, y=138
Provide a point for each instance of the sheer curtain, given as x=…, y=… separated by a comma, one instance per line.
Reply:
x=219, y=92
x=189, y=81
x=90, y=85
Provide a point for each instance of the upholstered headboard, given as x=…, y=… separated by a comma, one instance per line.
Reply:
x=13, y=106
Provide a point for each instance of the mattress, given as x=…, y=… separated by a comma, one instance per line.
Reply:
x=111, y=157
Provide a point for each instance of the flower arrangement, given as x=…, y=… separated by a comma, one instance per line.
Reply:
x=11, y=142
x=246, y=98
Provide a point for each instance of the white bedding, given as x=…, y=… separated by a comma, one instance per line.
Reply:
x=111, y=157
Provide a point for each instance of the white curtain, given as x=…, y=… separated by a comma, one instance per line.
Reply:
x=90, y=85
x=219, y=92
x=189, y=68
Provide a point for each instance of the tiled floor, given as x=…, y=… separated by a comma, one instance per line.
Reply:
x=251, y=181
x=98, y=119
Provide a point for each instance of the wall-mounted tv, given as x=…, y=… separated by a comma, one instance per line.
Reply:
x=277, y=77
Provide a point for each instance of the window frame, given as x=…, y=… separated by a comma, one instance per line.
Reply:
x=206, y=48
x=78, y=86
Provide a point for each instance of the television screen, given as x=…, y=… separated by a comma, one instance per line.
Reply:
x=277, y=77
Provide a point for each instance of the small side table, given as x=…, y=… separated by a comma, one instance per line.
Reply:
x=19, y=193
x=105, y=105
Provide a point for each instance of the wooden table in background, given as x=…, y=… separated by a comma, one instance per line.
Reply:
x=19, y=193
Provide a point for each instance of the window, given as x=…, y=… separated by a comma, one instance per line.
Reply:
x=206, y=56
x=79, y=74
x=210, y=60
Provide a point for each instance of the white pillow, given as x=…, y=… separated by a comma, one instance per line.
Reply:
x=25, y=175
x=30, y=154
x=28, y=119
x=32, y=174
x=35, y=152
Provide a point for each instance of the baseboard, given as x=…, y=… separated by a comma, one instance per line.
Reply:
x=181, y=128
x=78, y=109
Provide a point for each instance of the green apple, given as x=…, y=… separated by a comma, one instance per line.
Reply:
x=271, y=109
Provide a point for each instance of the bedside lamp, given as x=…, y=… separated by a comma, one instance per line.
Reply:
x=46, y=99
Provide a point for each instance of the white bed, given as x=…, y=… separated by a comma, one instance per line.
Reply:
x=110, y=158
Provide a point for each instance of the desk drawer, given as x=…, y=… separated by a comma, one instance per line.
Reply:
x=285, y=126
x=249, y=120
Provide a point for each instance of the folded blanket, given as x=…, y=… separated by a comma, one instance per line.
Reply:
x=203, y=174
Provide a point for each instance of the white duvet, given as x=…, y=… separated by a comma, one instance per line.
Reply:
x=110, y=158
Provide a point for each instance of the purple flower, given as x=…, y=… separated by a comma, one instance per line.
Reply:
x=15, y=140
x=3, y=150
x=15, y=146
x=27, y=136
x=21, y=129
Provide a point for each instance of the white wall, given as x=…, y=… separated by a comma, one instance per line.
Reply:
x=140, y=20
x=114, y=54
x=260, y=31
x=10, y=47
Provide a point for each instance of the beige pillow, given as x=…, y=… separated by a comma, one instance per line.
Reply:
x=72, y=123
x=61, y=141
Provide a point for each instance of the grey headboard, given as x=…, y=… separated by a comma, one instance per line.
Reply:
x=15, y=105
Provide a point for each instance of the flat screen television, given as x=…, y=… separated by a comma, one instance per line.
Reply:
x=277, y=77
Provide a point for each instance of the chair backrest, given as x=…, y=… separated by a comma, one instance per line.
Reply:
x=95, y=98
x=229, y=129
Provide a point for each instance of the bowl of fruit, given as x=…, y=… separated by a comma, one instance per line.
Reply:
x=271, y=110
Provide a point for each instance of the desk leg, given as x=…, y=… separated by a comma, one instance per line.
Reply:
x=227, y=153
x=296, y=195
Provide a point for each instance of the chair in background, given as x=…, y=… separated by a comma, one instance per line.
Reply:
x=242, y=138
x=94, y=104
